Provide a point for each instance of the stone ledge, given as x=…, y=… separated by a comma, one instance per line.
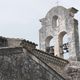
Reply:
x=27, y=44
x=51, y=59
x=10, y=50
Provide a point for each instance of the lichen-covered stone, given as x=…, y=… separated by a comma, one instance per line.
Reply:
x=23, y=67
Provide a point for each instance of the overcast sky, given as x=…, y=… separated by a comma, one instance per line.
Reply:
x=20, y=18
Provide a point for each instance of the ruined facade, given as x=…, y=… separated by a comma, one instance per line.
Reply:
x=58, y=22
x=21, y=60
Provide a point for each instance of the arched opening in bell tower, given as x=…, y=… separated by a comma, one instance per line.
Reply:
x=63, y=45
x=49, y=43
x=55, y=21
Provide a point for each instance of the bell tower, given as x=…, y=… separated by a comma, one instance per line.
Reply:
x=59, y=22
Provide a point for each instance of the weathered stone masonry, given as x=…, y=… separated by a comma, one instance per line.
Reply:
x=58, y=22
x=19, y=63
x=21, y=60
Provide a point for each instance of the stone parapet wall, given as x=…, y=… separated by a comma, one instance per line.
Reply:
x=54, y=62
x=14, y=42
x=72, y=71
x=23, y=65
x=10, y=51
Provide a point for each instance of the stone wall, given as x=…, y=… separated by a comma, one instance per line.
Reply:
x=23, y=67
x=72, y=71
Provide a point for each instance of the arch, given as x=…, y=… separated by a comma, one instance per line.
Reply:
x=47, y=41
x=61, y=35
x=55, y=21
x=49, y=45
x=60, y=41
x=54, y=11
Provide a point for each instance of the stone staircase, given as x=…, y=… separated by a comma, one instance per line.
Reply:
x=54, y=62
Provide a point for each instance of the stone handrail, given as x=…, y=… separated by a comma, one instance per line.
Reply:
x=51, y=59
x=10, y=50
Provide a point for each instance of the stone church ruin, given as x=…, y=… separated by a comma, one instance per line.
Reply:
x=21, y=60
